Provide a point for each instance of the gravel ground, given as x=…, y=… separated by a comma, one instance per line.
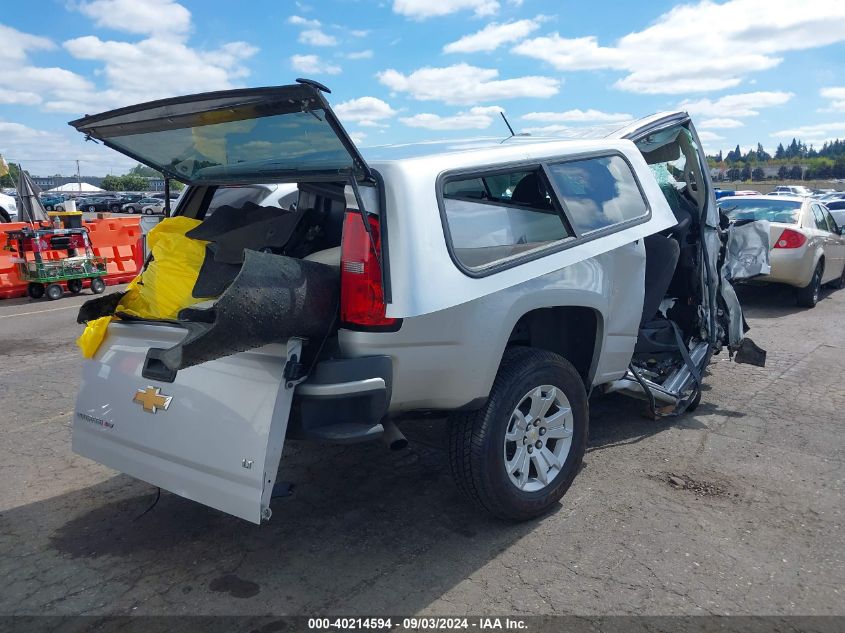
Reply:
x=736, y=508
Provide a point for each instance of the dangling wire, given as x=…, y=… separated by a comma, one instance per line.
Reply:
x=155, y=501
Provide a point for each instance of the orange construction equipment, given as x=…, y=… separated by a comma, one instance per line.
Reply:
x=119, y=240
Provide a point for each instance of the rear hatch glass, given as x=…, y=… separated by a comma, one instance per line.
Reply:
x=278, y=134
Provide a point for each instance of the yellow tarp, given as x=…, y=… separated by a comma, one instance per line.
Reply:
x=164, y=288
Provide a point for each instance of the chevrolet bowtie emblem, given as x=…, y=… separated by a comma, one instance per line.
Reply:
x=152, y=400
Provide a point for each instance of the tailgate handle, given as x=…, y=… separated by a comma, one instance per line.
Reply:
x=154, y=367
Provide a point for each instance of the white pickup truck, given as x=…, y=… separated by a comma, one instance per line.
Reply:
x=498, y=282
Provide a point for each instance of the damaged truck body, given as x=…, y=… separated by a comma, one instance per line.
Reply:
x=499, y=283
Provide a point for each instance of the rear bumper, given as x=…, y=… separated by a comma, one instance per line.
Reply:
x=343, y=401
x=789, y=266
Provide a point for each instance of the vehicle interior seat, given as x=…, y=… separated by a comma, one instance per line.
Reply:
x=328, y=256
x=530, y=192
x=662, y=255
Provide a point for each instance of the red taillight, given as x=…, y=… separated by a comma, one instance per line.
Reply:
x=361, y=289
x=790, y=239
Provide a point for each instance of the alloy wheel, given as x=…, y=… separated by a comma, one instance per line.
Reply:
x=538, y=438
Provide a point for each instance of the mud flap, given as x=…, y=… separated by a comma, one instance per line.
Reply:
x=190, y=437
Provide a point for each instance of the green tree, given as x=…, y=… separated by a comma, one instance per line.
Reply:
x=746, y=172
x=796, y=172
x=783, y=172
x=11, y=179
x=143, y=170
x=780, y=152
x=734, y=155
x=133, y=182
x=111, y=183
x=758, y=174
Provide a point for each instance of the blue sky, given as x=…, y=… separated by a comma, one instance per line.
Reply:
x=405, y=70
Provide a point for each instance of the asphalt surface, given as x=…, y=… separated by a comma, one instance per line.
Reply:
x=753, y=527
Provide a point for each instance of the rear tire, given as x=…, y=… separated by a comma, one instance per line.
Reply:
x=97, y=285
x=808, y=296
x=92, y=209
x=54, y=291
x=839, y=282
x=74, y=286
x=35, y=290
x=482, y=457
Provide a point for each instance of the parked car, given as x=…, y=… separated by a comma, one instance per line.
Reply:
x=51, y=200
x=835, y=195
x=8, y=208
x=792, y=190
x=93, y=204
x=118, y=204
x=160, y=194
x=807, y=247
x=151, y=206
x=837, y=211
x=495, y=282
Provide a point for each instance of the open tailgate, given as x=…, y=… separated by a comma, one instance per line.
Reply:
x=184, y=436
x=255, y=135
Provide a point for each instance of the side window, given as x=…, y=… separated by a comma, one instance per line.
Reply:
x=821, y=223
x=831, y=223
x=494, y=217
x=598, y=192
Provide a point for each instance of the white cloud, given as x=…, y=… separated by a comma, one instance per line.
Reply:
x=549, y=130
x=367, y=54
x=674, y=56
x=17, y=97
x=818, y=131
x=836, y=96
x=146, y=17
x=366, y=111
x=179, y=69
x=300, y=21
x=56, y=152
x=709, y=137
x=312, y=64
x=465, y=84
x=316, y=37
x=493, y=36
x=478, y=118
x=719, y=124
x=422, y=9
x=578, y=116
x=737, y=105
x=357, y=137
x=359, y=33
x=22, y=83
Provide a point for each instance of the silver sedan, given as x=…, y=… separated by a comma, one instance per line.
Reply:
x=807, y=246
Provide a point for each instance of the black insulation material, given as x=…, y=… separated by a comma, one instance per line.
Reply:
x=231, y=230
x=214, y=277
x=272, y=299
x=104, y=305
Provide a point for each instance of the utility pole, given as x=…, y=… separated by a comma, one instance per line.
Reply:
x=78, y=177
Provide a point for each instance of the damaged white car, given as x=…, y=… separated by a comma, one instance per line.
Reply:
x=499, y=283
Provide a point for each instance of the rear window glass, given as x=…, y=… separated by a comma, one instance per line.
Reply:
x=496, y=217
x=773, y=210
x=235, y=197
x=598, y=192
